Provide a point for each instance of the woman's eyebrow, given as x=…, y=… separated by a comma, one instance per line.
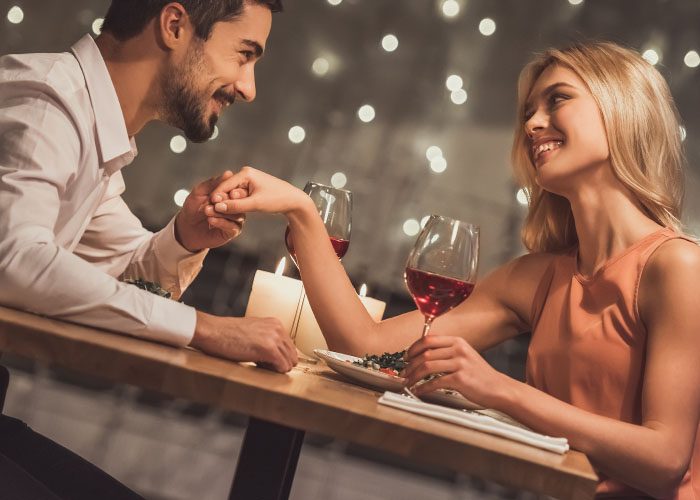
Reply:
x=548, y=90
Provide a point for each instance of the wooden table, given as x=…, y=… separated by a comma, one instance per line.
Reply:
x=283, y=407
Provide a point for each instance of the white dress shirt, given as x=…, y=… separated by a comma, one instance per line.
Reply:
x=66, y=235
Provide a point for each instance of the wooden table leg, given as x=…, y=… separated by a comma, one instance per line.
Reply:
x=267, y=462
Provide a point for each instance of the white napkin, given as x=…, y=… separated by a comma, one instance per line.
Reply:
x=480, y=420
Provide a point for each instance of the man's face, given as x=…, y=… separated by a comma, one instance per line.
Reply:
x=212, y=74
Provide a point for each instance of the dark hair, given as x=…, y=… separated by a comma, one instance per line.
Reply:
x=127, y=18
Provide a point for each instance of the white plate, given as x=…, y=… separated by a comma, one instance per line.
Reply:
x=343, y=364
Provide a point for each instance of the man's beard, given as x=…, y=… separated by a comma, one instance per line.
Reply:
x=184, y=106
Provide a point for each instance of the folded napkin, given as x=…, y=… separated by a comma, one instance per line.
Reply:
x=481, y=420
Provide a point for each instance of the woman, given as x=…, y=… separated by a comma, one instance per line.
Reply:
x=609, y=289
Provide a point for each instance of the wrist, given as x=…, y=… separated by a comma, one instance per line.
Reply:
x=304, y=211
x=179, y=234
x=202, y=331
x=506, y=394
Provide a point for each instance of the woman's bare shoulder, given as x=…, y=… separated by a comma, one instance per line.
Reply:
x=677, y=255
x=669, y=283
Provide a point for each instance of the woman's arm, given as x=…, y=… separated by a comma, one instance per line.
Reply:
x=498, y=309
x=653, y=456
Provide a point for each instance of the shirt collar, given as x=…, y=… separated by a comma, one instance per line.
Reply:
x=114, y=145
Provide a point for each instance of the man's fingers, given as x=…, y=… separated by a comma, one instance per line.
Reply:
x=231, y=228
x=290, y=351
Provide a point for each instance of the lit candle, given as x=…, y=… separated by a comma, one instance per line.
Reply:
x=275, y=296
x=281, y=297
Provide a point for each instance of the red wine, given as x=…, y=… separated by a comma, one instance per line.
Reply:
x=339, y=245
x=435, y=294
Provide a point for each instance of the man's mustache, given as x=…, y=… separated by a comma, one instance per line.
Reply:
x=224, y=96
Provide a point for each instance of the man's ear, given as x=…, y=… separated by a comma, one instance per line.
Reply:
x=174, y=25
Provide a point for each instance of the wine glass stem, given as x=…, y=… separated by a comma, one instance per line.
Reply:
x=426, y=326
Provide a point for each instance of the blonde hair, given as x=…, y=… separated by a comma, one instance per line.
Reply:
x=642, y=128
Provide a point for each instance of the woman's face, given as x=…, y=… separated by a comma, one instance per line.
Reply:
x=565, y=131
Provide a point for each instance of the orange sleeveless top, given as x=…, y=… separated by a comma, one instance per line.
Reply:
x=588, y=345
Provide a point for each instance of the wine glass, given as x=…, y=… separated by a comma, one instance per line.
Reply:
x=441, y=268
x=335, y=208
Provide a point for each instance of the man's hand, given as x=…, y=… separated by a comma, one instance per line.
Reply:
x=262, y=340
x=265, y=193
x=197, y=228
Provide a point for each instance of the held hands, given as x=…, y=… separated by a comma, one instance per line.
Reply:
x=458, y=366
x=262, y=340
x=197, y=226
x=265, y=193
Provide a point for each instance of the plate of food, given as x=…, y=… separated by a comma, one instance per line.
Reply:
x=382, y=372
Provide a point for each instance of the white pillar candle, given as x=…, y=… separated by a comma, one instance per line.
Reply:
x=275, y=296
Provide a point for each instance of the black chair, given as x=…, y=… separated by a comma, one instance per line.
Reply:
x=4, y=382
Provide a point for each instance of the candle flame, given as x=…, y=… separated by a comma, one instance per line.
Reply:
x=363, y=290
x=280, y=267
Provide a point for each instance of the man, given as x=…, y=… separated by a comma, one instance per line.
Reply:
x=67, y=127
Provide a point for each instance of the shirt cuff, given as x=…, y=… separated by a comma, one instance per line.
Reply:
x=171, y=322
x=170, y=252
x=176, y=259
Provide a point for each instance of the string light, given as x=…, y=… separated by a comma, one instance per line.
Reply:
x=180, y=197
x=487, y=26
x=214, y=134
x=651, y=56
x=97, y=26
x=450, y=8
x=683, y=132
x=334, y=2
x=692, y=59
x=433, y=152
x=438, y=165
x=15, y=15
x=411, y=227
x=296, y=134
x=390, y=43
x=338, y=180
x=575, y=2
x=178, y=144
x=320, y=66
x=366, y=113
x=459, y=96
x=522, y=197
x=454, y=82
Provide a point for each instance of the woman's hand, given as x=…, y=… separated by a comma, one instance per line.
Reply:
x=458, y=366
x=261, y=192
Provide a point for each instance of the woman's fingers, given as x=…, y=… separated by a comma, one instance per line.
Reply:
x=429, y=342
x=442, y=382
x=428, y=368
x=427, y=355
